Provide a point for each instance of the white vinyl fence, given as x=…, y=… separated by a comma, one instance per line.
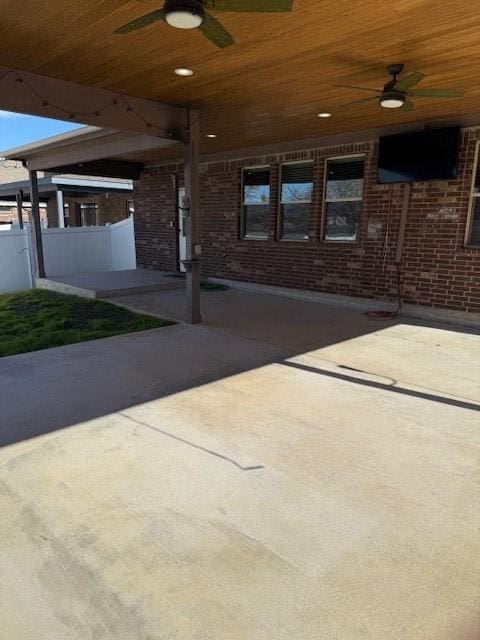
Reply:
x=67, y=251
x=15, y=270
x=122, y=245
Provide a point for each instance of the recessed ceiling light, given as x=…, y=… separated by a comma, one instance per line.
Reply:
x=182, y=71
x=211, y=135
x=324, y=115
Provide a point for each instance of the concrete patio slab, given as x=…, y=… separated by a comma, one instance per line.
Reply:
x=107, y=284
x=286, y=470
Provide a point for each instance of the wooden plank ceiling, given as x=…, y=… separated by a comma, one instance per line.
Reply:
x=280, y=73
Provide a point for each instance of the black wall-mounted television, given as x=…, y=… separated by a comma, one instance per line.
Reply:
x=431, y=154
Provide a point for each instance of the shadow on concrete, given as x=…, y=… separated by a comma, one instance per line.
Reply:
x=462, y=404
x=48, y=390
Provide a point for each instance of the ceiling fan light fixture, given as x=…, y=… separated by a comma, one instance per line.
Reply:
x=184, y=14
x=392, y=100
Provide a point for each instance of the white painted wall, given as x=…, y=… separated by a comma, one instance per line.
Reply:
x=67, y=251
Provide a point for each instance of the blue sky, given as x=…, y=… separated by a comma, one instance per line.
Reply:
x=16, y=129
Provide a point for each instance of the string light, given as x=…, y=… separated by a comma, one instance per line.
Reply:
x=118, y=100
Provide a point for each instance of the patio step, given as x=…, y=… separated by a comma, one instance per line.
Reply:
x=109, y=284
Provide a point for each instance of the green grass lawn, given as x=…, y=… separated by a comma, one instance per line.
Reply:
x=37, y=319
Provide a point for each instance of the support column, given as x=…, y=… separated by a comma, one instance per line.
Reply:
x=19, y=199
x=192, y=206
x=60, y=209
x=37, y=245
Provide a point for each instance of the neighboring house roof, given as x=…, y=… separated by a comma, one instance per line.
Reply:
x=78, y=184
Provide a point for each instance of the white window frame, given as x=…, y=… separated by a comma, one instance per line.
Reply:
x=244, y=204
x=282, y=202
x=325, y=200
x=473, y=196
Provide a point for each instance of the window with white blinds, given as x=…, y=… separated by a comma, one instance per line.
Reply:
x=295, y=200
x=343, y=197
x=473, y=229
x=255, y=202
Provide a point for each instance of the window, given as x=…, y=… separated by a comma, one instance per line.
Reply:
x=295, y=200
x=473, y=229
x=255, y=202
x=343, y=199
x=89, y=214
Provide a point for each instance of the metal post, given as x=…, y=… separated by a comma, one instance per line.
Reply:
x=192, y=205
x=37, y=245
x=60, y=210
x=19, y=199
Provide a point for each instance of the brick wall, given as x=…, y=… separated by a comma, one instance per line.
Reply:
x=437, y=269
x=156, y=219
x=13, y=171
x=111, y=208
x=8, y=213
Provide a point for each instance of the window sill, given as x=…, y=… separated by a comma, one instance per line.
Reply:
x=348, y=243
x=254, y=238
x=293, y=239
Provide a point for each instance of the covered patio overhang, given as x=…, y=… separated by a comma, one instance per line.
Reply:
x=264, y=92
x=130, y=130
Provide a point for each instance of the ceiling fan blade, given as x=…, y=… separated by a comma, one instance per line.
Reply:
x=437, y=93
x=349, y=86
x=407, y=105
x=254, y=6
x=143, y=21
x=348, y=104
x=410, y=80
x=215, y=32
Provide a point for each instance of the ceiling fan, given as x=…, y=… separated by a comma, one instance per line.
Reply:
x=396, y=92
x=193, y=14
